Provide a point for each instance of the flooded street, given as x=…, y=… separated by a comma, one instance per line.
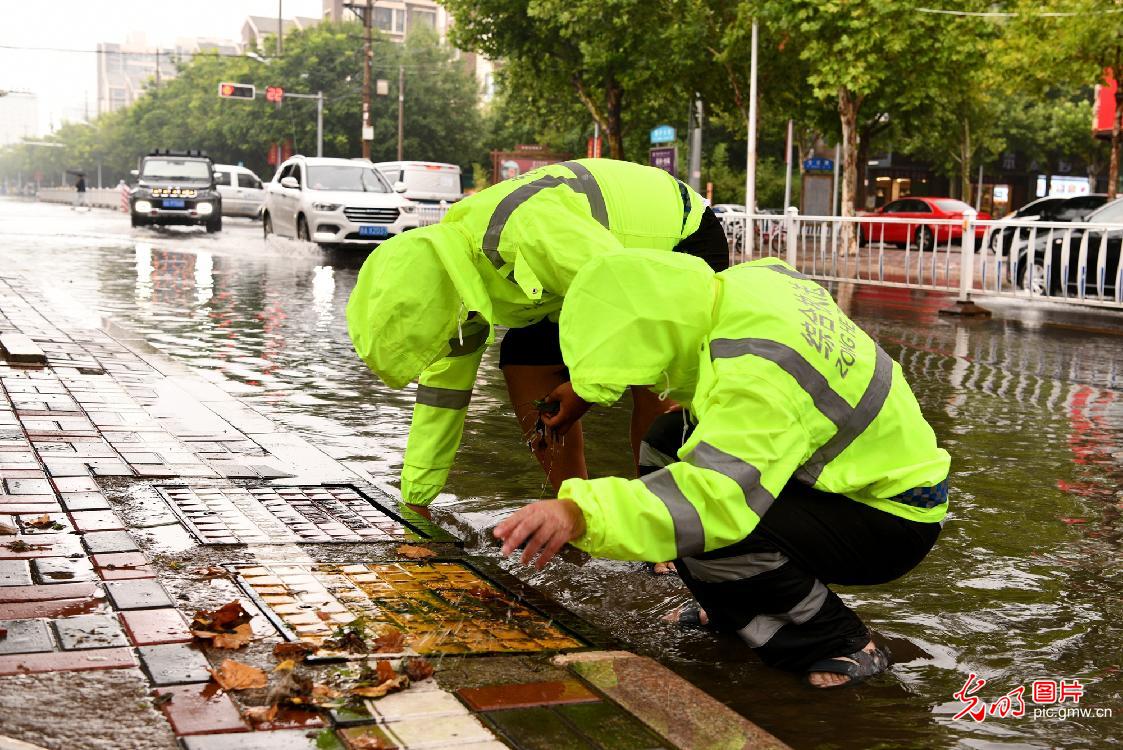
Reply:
x=1026, y=582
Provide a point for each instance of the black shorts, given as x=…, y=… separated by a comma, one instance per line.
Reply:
x=538, y=344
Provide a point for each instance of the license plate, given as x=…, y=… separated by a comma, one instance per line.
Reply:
x=174, y=203
x=372, y=231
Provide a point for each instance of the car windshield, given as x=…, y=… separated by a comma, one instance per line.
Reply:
x=950, y=204
x=347, y=178
x=171, y=169
x=1112, y=213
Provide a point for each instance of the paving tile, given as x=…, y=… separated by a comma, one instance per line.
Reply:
x=15, y=573
x=55, y=608
x=609, y=727
x=450, y=731
x=40, y=545
x=201, y=709
x=68, y=661
x=123, y=565
x=537, y=729
x=140, y=593
x=96, y=520
x=90, y=631
x=147, y=627
x=284, y=739
x=56, y=570
x=76, y=501
x=109, y=541
x=174, y=663
x=28, y=487
x=76, y=484
x=41, y=593
x=525, y=695
x=26, y=636
x=416, y=704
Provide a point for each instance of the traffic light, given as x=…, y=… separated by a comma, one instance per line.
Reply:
x=274, y=94
x=236, y=90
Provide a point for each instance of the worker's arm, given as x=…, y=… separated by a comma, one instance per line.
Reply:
x=740, y=456
x=443, y=392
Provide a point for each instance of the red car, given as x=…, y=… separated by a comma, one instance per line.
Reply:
x=915, y=231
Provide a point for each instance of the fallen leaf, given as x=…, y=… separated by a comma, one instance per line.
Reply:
x=3, y=633
x=390, y=640
x=1074, y=521
x=384, y=672
x=291, y=688
x=226, y=617
x=413, y=552
x=417, y=668
x=237, y=638
x=211, y=571
x=324, y=616
x=234, y=675
x=42, y=522
x=286, y=666
x=260, y=714
x=322, y=693
x=366, y=742
x=8, y=529
x=398, y=682
x=161, y=698
x=294, y=650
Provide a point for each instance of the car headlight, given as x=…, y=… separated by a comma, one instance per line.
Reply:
x=204, y=208
x=142, y=206
x=326, y=207
x=408, y=209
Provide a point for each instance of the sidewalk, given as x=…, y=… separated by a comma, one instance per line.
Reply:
x=177, y=571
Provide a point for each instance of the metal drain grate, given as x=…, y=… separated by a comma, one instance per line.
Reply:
x=318, y=514
x=440, y=607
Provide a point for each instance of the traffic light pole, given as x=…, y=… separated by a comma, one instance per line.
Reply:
x=319, y=97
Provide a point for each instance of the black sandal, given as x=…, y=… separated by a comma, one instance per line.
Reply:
x=865, y=664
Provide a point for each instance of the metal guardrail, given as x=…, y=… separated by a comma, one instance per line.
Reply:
x=1074, y=263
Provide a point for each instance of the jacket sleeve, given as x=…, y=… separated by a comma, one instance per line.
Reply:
x=443, y=393
x=742, y=453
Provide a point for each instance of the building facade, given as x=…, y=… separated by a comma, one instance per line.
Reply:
x=19, y=117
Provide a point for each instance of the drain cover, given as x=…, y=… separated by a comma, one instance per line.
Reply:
x=285, y=515
x=440, y=607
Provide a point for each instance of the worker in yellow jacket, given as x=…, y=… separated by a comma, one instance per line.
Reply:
x=427, y=302
x=801, y=458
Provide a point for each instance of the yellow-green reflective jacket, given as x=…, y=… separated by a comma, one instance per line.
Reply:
x=782, y=384
x=426, y=302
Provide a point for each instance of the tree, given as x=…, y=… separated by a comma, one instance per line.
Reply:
x=603, y=53
x=1084, y=38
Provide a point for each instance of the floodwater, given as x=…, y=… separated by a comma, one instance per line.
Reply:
x=1025, y=583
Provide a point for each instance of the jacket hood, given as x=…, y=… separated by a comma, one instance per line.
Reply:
x=412, y=293
x=637, y=317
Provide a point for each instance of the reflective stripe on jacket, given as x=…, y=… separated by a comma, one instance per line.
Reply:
x=526, y=240
x=782, y=384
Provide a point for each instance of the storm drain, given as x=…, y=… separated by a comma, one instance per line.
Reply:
x=440, y=607
x=319, y=514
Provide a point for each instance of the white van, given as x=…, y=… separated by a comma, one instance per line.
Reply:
x=241, y=190
x=425, y=181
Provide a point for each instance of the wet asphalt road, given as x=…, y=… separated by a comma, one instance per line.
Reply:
x=1025, y=583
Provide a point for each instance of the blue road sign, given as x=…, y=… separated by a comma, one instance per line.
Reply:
x=662, y=134
x=818, y=165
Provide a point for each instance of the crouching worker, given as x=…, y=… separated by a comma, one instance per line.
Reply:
x=801, y=458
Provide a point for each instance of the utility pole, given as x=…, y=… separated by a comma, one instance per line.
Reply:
x=694, y=179
x=401, y=106
x=368, y=74
x=788, y=169
x=750, y=170
x=280, y=28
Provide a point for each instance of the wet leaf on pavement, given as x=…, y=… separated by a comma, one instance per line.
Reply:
x=417, y=668
x=292, y=689
x=294, y=650
x=8, y=529
x=413, y=552
x=44, y=522
x=226, y=627
x=211, y=571
x=286, y=666
x=1073, y=521
x=241, y=635
x=260, y=714
x=234, y=675
x=390, y=640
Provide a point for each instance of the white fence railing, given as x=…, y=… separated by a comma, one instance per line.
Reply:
x=100, y=197
x=429, y=214
x=1076, y=263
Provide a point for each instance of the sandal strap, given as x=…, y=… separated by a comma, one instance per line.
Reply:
x=865, y=664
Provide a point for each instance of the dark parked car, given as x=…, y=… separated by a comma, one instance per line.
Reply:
x=1049, y=272
x=1045, y=209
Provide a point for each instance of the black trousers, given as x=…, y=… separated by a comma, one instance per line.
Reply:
x=772, y=586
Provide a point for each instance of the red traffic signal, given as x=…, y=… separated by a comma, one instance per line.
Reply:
x=274, y=94
x=236, y=90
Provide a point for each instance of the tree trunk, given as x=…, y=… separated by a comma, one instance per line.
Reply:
x=863, y=170
x=613, y=97
x=965, y=164
x=848, y=106
x=1116, y=126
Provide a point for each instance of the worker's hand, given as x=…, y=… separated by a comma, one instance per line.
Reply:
x=571, y=408
x=545, y=526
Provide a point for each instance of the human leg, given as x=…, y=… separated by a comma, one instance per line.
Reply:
x=530, y=358
x=646, y=407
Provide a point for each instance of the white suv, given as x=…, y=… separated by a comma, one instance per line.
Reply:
x=334, y=202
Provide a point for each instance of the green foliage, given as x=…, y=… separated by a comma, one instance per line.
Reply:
x=442, y=121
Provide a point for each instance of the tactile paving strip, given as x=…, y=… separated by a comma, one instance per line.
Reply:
x=285, y=515
x=440, y=607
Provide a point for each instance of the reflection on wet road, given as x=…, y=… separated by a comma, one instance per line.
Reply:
x=1026, y=581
